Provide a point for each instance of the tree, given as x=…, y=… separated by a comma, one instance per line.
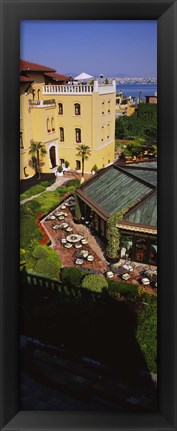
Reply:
x=38, y=151
x=84, y=152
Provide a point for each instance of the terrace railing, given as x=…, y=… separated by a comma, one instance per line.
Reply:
x=68, y=89
x=46, y=287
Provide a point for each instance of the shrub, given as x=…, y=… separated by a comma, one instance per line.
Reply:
x=71, y=276
x=47, y=262
x=74, y=182
x=71, y=189
x=41, y=251
x=117, y=288
x=48, y=267
x=66, y=164
x=46, y=183
x=48, y=201
x=34, y=191
x=94, y=282
x=62, y=190
x=147, y=333
x=95, y=168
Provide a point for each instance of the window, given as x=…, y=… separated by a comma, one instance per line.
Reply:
x=102, y=107
x=62, y=162
x=126, y=246
x=60, y=108
x=38, y=94
x=108, y=131
x=78, y=135
x=34, y=94
x=77, y=109
x=61, y=134
x=48, y=125
x=102, y=133
x=53, y=124
x=78, y=165
x=21, y=141
x=109, y=106
x=153, y=252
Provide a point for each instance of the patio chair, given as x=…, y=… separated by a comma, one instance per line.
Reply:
x=126, y=276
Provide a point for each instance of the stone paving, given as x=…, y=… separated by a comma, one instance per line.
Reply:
x=68, y=256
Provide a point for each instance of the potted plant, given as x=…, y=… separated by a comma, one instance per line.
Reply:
x=60, y=171
x=67, y=165
x=94, y=169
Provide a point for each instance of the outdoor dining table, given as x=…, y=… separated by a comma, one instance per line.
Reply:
x=52, y=217
x=63, y=225
x=83, y=253
x=57, y=226
x=74, y=238
x=90, y=258
x=129, y=268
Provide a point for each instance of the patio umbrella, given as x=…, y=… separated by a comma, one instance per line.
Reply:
x=83, y=76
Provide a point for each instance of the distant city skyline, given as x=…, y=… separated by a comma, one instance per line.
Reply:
x=111, y=48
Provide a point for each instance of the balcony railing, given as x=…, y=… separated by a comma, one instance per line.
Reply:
x=65, y=89
x=42, y=103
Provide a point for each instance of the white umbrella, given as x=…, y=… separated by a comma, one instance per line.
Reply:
x=83, y=76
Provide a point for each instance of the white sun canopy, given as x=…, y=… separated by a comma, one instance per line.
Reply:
x=83, y=76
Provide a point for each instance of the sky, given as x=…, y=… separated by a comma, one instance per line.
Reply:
x=95, y=47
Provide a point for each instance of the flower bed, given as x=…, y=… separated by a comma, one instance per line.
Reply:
x=45, y=238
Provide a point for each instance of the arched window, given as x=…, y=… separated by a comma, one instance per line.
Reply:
x=60, y=108
x=78, y=135
x=34, y=94
x=102, y=133
x=21, y=141
x=109, y=106
x=38, y=94
x=61, y=134
x=48, y=125
x=53, y=124
x=108, y=131
x=102, y=105
x=77, y=109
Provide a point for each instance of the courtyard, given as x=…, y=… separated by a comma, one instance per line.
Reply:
x=79, y=247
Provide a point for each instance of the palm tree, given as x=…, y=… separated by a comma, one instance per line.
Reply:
x=84, y=152
x=38, y=151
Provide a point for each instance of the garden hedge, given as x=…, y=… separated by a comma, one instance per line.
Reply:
x=94, y=282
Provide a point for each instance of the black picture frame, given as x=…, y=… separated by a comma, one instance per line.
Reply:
x=12, y=11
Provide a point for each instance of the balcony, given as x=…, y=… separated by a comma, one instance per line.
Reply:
x=42, y=103
x=80, y=88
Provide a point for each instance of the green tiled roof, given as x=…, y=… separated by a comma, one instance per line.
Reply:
x=145, y=213
x=115, y=190
x=147, y=165
x=145, y=175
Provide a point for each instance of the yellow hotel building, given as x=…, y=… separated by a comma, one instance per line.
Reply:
x=62, y=115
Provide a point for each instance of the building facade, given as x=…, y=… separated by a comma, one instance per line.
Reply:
x=62, y=115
